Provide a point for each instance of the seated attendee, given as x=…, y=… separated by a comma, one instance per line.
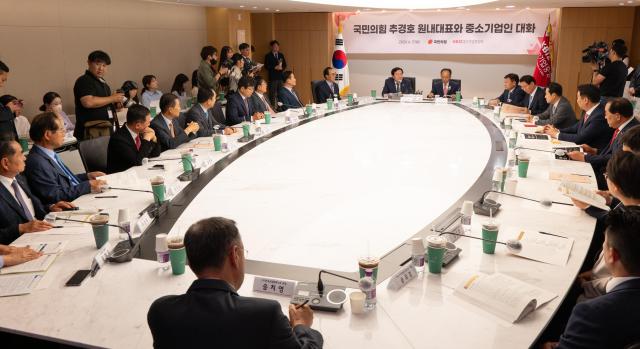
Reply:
x=559, y=113
x=444, y=86
x=20, y=121
x=13, y=255
x=512, y=94
x=130, y=90
x=20, y=211
x=150, y=93
x=180, y=86
x=6, y=116
x=611, y=320
x=592, y=129
x=49, y=178
x=259, y=99
x=200, y=113
x=534, y=100
x=134, y=141
x=329, y=88
x=168, y=131
x=52, y=102
x=287, y=96
x=619, y=116
x=397, y=83
x=239, y=108
x=212, y=313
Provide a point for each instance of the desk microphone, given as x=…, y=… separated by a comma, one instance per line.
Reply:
x=540, y=150
x=321, y=285
x=127, y=189
x=79, y=221
x=513, y=245
x=486, y=207
x=280, y=104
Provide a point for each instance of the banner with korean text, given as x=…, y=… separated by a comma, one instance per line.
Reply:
x=448, y=32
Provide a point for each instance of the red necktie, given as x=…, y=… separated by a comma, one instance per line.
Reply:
x=615, y=134
x=138, y=142
x=586, y=116
x=446, y=90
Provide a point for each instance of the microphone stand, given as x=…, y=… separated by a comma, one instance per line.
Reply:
x=110, y=225
x=127, y=189
x=321, y=285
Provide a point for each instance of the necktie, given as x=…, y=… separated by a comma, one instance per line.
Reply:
x=509, y=96
x=586, y=116
x=246, y=106
x=530, y=100
x=138, y=142
x=276, y=54
x=266, y=104
x=445, y=90
x=16, y=189
x=553, y=110
x=173, y=134
x=615, y=134
x=296, y=96
x=72, y=178
x=397, y=87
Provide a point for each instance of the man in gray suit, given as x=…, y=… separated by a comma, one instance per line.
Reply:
x=201, y=114
x=559, y=113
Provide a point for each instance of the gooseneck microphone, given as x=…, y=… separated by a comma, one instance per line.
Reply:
x=513, y=245
x=128, y=189
x=544, y=202
x=321, y=285
x=110, y=225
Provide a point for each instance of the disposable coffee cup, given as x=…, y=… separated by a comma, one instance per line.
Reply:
x=158, y=188
x=152, y=110
x=365, y=263
x=217, y=143
x=267, y=117
x=510, y=186
x=308, y=109
x=187, y=161
x=350, y=98
x=329, y=104
x=374, y=93
x=467, y=208
x=490, y=235
x=436, y=248
x=357, y=299
x=100, y=229
x=246, y=127
x=162, y=249
x=24, y=143
x=177, y=256
x=523, y=166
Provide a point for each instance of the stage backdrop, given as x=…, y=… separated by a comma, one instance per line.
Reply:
x=455, y=32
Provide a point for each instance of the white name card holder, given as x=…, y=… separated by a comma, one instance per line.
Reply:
x=441, y=100
x=278, y=287
x=402, y=277
x=141, y=225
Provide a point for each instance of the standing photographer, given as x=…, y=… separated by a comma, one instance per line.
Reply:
x=612, y=77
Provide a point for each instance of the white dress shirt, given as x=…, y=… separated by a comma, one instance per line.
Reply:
x=6, y=181
x=614, y=282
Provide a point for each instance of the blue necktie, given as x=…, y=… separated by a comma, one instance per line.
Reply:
x=16, y=189
x=74, y=180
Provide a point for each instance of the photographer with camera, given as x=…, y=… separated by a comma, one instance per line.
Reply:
x=612, y=76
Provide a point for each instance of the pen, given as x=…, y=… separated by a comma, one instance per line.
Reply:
x=302, y=304
x=545, y=233
x=578, y=174
x=107, y=197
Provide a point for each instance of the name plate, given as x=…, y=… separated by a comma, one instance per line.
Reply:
x=173, y=189
x=402, y=277
x=274, y=286
x=441, y=100
x=142, y=224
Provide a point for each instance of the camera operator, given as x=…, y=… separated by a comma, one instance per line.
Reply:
x=612, y=77
x=625, y=57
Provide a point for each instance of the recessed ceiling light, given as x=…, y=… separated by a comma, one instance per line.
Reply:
x=255, y=7
x=277, y=10
x=367, y=9
x=266, y=8
x=510, y=6
x=439, y=10
x=241, y=6
x=468, y=9
x=497, y=9
x=528, y=8
x=399, y=5
x=358, y=11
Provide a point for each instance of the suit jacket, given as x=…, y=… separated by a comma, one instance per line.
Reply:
x=237, y=110
x=48, y=181
x=211, y=314
x=323, y=92
x=600, y=160
x=204, y=119
x=438, y=90
x=248, y=65
x=390, y=86
x=7, y=126
x=516, y=97
x=538, y=104
x=288, y=99
x=595, y=132
x=563, y=117
x=122, y=153
x=164, y=135
x=270, y=63
x=206, y=76
x=12, y=214
x=608, y=321
x=258, y=104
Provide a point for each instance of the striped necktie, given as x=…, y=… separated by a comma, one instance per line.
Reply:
x=23, y=204
x=72, y=178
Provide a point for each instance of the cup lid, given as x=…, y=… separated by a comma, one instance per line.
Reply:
x=417, y=247
x=161, y=242
x=467, y=208
x=436, y=241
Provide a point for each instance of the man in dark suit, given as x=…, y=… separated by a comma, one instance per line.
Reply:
x=275, y=63
x=534, y=99
x=168, y=131
x=20, y=211
x=239, y=109
x=397, y=83
x=245, y=51
x=201, y=113
x=444, y=86
x=592, y=129
x=329, y=88
x=212, y=314
x=619, y=116
x=559, y=113
x=49, y=178
x=7, y=126
x=287, y=96
x=134, y=141
x=259, y=100
x=512, y=94
x=611, y=320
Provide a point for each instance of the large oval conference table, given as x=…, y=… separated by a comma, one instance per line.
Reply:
x=319, y=193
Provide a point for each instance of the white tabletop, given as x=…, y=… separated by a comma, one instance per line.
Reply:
x=273, y=183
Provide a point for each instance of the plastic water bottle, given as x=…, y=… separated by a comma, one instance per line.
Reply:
x=368, y=287
x=465, y=216
x=417, y=254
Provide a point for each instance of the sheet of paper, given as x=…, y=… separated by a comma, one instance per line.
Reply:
x=545, y=248
x=17, y=284
x=52, y=247
x=37, y=265
x=571, y=177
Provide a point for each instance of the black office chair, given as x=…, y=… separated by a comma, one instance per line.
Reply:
x=412, y=80
x=315, y=83
x=93, y=153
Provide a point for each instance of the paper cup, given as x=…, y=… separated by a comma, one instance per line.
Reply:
x=357, y=299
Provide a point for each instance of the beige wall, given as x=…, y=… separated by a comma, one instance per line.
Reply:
x=262, y=32
x=223, y=25
x=45, y=43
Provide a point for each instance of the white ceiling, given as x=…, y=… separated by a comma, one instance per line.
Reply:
x=296, y=6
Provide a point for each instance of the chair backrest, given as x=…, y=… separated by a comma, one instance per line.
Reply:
x=413, y=82
x=439, y=81
x=315, y=83
x=93, y=153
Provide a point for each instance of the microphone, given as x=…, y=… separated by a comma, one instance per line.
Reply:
x=513, y=245
x=280, y=104
x=321, y=285
x=56, y=218
x=127, y=189
x=544, y=202
x=540, y=150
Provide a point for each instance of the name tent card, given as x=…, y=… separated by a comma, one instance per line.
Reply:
x=142, y=224
x=274, y=286
x=402, y=277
